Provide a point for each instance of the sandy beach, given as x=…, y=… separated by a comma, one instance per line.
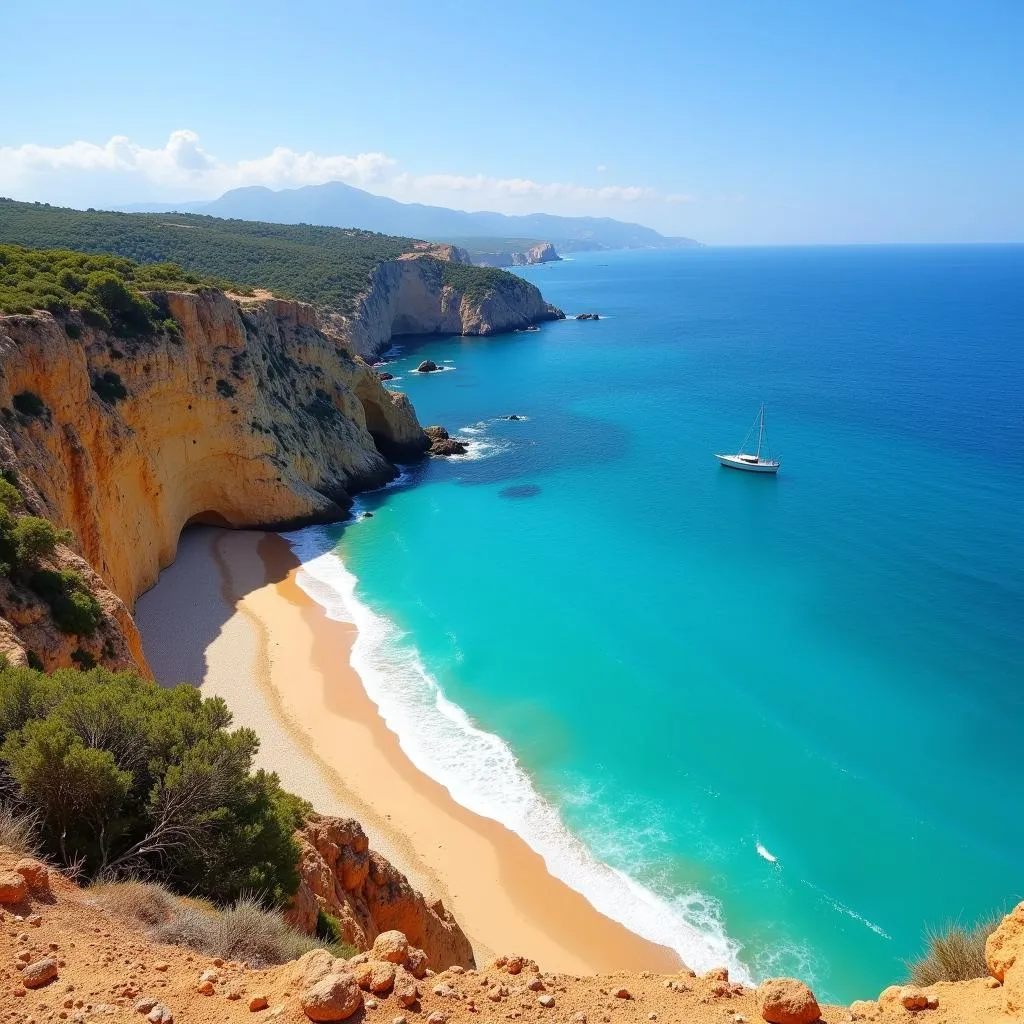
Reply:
x=229, y=615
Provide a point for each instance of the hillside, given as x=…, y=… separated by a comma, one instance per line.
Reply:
x=341, y=205
x=71, y=955
x=325, y=266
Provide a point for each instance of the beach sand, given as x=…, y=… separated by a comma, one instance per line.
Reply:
x=229, y=615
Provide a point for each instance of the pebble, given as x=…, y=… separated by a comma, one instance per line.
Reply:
x=622, y=993
x=546, y=1001
x=142, y=1006
x=258, y=1002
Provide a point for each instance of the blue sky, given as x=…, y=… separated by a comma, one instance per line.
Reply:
x=733, y=122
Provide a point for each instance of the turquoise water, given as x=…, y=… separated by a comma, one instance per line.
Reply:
x=685, y=661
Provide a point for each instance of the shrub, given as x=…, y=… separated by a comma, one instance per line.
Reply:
x=10, y=496
x=109, y=387
x=225, y=389
x=83, y=659
x=75, y=610
x=36, y=538
x=72, y=330
x=28, y=403
x=953, y=953
x=18, y=831
x=130, y=777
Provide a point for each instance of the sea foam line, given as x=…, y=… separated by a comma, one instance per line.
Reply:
x=483, y=774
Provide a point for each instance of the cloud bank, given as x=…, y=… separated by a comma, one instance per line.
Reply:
x=121, y=171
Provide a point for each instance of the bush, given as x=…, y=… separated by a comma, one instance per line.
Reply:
x=75, y=610
x=109, y=387
x=10, y=496
x=245, y=931
x=225, y=389
x=28, y=403
x=128, y=777
x=18, y=831
x=953, y=953
x=36, y=538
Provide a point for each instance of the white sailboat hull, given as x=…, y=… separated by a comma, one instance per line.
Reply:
x=741, y=461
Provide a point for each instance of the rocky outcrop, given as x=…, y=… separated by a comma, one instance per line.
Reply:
x=543, y=252
x=368, y=896
x=409, y=295
x=442, y=443
x=241, y=415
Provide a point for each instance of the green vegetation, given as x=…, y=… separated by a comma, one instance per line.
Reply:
x=24, y=539
x=329, y=267
x=245, y=931
x=126, y=777
x=953, y=953
x=109, y=387
x=105, y=290
x=225, y=389
x=28, y=403
x=72, y=605
x=477, y=282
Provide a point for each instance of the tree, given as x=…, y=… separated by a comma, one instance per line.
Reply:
x=129, y=777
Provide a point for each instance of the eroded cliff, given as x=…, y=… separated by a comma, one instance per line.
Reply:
x=245, y=415
x=417, y=295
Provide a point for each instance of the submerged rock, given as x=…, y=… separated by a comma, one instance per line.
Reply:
x=427, y=366
x=383, y=375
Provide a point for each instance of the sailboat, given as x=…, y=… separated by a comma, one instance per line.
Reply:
x=755, y=463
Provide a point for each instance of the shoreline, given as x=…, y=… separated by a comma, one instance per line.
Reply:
x=284, y=669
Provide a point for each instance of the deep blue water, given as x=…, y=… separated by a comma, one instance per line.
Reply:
x=687, y=661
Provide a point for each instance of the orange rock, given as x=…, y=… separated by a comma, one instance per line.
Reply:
x=258, y=1002
x=405, y=988
x=40, y=973
x=12, y=887
x=335, y=997
x=1005, y=946
x=787, y=1001
x=35, y=873
x=912, y=998
x=382, y=976
x=392, y=946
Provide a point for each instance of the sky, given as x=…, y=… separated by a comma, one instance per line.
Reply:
x=730, y=121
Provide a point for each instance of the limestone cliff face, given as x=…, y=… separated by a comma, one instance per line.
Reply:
x=248, y=415
x=409, y=296
x=544, y=252
x=367, y=895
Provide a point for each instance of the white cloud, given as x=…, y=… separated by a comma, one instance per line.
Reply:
x=601, y=168
x=677, y=198
x=120, y=171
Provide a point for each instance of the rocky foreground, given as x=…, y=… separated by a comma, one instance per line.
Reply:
x=64, y=958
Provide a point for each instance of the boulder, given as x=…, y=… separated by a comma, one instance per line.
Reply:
x=392, y=946
x=449, y=446
x=427, y=366
x=258, y=1002
x=787, y=1001
x=334, y=997
x=12, y=887
x=405, y=988
x=383, y=375
x=382, y=976
x=35, y=873
x=416, y=963
x=436, y=433
x=912, y=998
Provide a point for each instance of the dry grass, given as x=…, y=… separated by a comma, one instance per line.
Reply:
x=246, y=931
x=954, y=953
x=18, y=832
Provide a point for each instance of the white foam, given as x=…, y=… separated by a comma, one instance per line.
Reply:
x=482, y=773
x=432, y=373
x=842, y=908
x=479, y=447
x=763, y=851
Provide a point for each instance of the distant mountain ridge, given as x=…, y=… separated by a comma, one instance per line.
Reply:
x=336, y=204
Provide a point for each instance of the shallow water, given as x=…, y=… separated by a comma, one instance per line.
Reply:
x=692, y=670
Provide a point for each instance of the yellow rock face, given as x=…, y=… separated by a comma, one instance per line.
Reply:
x=248, y=416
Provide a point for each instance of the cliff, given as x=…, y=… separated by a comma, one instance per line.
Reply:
x=416, y=294
x=367, y=895
x=65, y=947
x=543, y=252
x=244, y=415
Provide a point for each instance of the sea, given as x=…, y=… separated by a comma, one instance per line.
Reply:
x=773, y=722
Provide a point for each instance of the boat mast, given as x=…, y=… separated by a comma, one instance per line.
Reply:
x=760, y=433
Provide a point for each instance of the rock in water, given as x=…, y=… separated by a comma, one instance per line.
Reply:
x=384, y=375
x=787, y=1001
x=334, y=997
x=427, y=366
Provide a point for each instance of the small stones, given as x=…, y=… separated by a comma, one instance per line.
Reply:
x=993, y=982
x=209, y=975
x=160, y=1014
x=399, y=1020
x=579, y=1018
x=622, y=993
x=547, y=1001
x=437, y=1017
x=333, y=997
x=218, y=961
x=405, y=988
x=456, y=969
x=370, y=1003
x=535, y=985
x=161, y=965
x=494, y=994
x=717, y=974
x=787, y=1001
x=40, y=973
x=382, y=976
x=205, y=988
x=416, y=963
x=34, y=920
x=142, y=1006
